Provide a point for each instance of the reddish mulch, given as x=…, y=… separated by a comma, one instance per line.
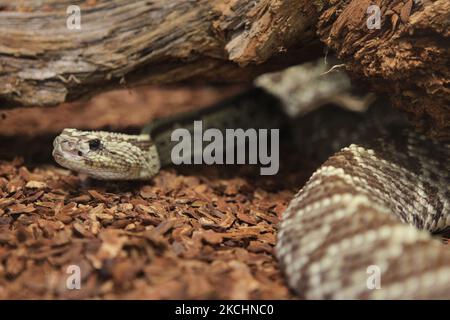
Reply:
x=190, y=233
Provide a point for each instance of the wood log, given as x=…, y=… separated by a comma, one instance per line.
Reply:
x=127, y=43
x=121, y=42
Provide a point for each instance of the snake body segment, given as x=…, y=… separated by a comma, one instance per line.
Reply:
x=357, y=212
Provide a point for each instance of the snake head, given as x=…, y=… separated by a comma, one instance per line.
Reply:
x=106, y=155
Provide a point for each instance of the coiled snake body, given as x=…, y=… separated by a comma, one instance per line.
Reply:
x=367, y=211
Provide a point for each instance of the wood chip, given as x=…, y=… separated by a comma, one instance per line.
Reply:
x=20, y=208
x=36, y=185
x=97, y=195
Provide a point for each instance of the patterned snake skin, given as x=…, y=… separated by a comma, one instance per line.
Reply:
x=360, y=227
x=348, y=219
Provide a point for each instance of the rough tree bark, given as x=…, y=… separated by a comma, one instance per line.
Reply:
x=163, y=41
x=407, y=58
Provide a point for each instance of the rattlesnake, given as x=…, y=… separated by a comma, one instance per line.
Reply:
x=351, y=220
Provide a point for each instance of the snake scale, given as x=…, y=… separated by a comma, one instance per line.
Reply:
x=371, y=207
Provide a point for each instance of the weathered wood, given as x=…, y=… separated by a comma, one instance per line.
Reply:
x=122, y=42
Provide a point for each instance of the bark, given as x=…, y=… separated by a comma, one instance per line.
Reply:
x=407, y=59
x=122, y=42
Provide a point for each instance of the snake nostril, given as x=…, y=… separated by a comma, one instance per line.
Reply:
x=56, y=142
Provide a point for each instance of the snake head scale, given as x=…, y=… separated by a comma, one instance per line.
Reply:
x=106, y=155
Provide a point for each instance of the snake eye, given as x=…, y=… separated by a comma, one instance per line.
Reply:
x=80, y=154
x=94, y=144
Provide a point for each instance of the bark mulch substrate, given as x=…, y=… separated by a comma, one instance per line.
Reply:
x=196, y=232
